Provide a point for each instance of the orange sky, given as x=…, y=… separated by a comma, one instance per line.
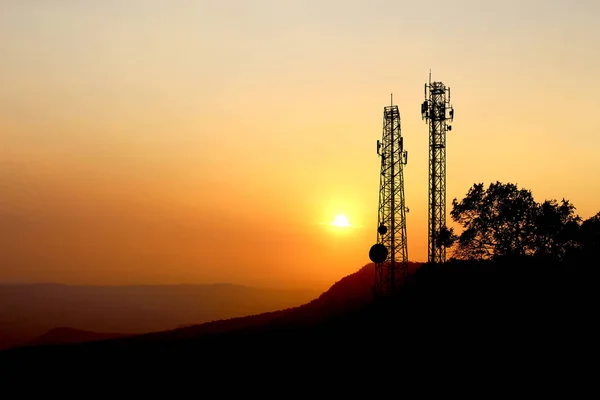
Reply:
x=174, y=141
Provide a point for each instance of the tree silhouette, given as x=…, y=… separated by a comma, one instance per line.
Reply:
x=557, y=229
x=504, y=220
x=589, y=237
x=446, y=238
x=497, y=221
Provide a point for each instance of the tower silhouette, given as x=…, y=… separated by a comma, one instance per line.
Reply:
x=390, y=253
x=437, y=111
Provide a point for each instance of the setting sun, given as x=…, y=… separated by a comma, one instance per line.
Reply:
x=341, y=221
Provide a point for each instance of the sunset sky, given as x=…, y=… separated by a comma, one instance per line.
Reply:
x=146, y=141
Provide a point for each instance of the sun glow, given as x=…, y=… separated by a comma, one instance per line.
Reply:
x=341, y=221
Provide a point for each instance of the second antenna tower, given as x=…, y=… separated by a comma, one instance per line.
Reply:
x=438, y=111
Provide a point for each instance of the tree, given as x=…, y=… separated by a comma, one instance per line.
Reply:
x=446, y=238
x=557, y=229
x=497, y=221
x=589, y=237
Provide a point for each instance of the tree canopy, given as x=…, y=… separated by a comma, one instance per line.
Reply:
x=505, y=220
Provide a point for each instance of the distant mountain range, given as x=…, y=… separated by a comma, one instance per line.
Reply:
x=70, y=335
x=350, y=293
x=30, y=313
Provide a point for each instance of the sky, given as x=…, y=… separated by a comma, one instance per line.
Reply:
x=147, y=141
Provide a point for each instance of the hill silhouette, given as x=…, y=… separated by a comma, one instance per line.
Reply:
x=482, y=327
x=29, y=311
x=466, y=310
x=347, y=295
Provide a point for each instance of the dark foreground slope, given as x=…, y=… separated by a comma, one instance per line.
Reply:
x=460, y=312
x=347, y=294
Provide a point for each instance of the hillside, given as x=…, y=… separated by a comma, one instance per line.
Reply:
x=468, y=310
x=350, y=293
x=29, y=311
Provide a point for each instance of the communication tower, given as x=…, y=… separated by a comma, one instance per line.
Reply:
x=390, y=253
x=438, y=112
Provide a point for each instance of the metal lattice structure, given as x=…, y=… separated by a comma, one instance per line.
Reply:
x=392, y=265
x=438, y=112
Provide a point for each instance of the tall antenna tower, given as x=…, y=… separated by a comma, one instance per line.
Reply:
x=390, y=253
x=438, y=112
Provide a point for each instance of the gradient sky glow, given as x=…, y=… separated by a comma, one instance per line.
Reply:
x=146, y=141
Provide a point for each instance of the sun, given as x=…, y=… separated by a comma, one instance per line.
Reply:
x=341, y=221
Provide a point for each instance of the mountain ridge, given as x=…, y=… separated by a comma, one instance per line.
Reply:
x=63, y=335
x=29, y=311
x=346, y=295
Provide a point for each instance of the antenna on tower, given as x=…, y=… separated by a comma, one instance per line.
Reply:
x=438, y=111
x=390, y=253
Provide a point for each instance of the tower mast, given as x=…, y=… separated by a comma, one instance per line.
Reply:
x=390, y=253
x=438, y=112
